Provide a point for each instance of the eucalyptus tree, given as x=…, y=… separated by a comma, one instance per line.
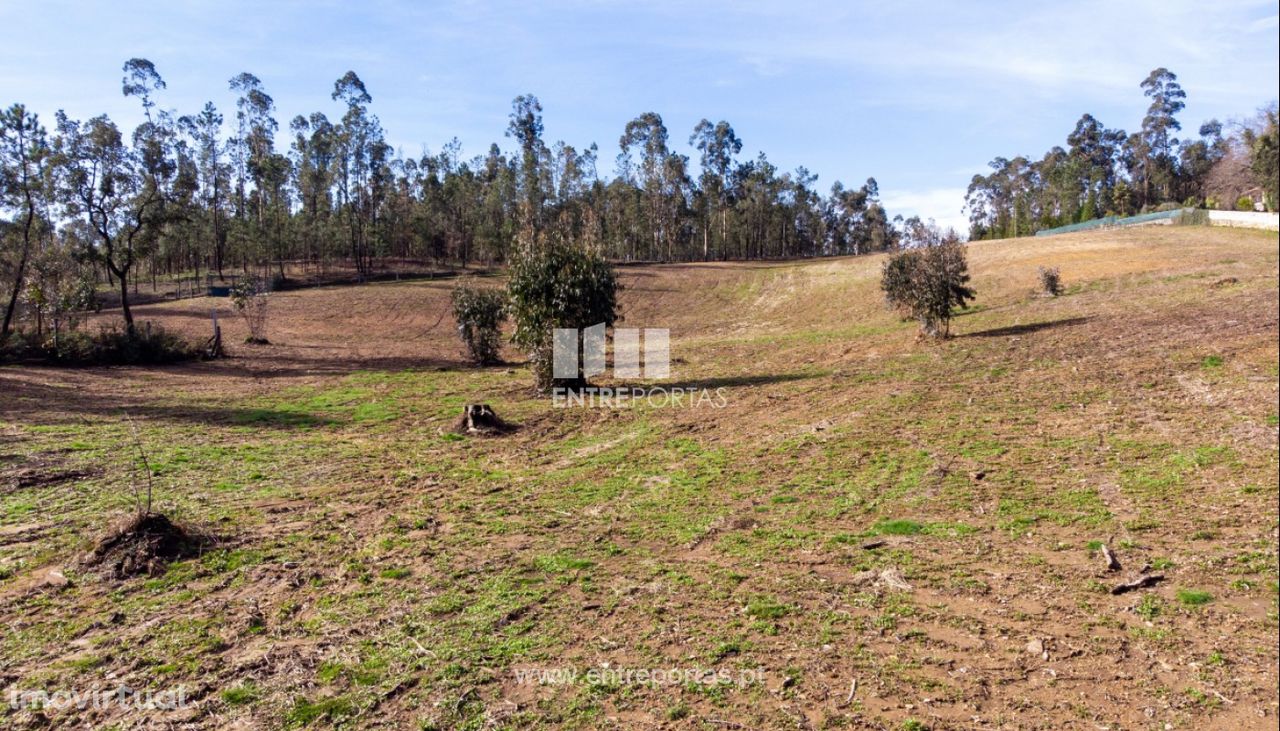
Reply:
x=103, y=180
x=499, y=218
x=718, y=144
x=255, y=162
x=119, y=189
x=362, y=172
x=1197, y=159
x=661, y=174
x=1096, y=151
x=1154, y=147
x=24, y=152
x=313, y=154
x=204, y=130
x=525, y=127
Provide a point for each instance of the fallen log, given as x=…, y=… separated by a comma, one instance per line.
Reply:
x=1141, y=582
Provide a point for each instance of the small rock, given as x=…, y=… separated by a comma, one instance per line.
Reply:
x=55, y=579
x=1035, y=646
x=892, y=578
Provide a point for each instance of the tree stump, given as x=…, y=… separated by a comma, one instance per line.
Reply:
x=480, y=419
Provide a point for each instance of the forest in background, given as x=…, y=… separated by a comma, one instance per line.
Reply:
x=208, y=195
x=1108, y=172
x=201, y=193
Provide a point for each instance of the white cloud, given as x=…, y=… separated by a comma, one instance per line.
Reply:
x=943, y=205
x=1261, y=24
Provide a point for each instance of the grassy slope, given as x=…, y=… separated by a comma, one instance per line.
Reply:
x=375, y=570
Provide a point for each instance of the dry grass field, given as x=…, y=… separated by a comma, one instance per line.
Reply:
x=874, y=532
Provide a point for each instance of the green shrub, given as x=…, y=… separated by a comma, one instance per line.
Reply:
x=1193, y=217
x=111, y=345
x=480, y=314
x=1051, y=281
x=555, y=284
x=250, y=298
x=927, y=283
x=1244, y=203
x=147, y=344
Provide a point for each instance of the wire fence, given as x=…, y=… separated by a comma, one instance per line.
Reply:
x=1174, y=216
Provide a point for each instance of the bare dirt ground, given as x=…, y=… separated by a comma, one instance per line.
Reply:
x=873, y=532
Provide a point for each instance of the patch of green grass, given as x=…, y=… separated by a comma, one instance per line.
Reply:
x=374, y=411
x=230, y=560
x=1210, y=362
x=1194, y=597
x=274, y=417
x=395, y=573
x=901, y=527
x=241, y=695
x=87, y=663
x=1149, y=608
x=766, y=608
x=561, y=563
x=308, y=713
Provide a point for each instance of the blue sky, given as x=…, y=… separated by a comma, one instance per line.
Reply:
x=918, y=94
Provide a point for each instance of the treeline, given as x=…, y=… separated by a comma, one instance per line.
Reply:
x=202, y=193
x=1108, y=172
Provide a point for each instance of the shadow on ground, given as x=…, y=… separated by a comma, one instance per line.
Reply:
x=1024, y=329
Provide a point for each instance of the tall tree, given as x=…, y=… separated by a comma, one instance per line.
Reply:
x=661, y=174
x=1265, y=156
x=204, y=130
x=24, y=149
x=363, y=158
x=1155, y=145
x=718, y=144
x=525, y=127
x=103, y=180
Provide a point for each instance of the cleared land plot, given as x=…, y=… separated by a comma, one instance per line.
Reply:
x=374, y=570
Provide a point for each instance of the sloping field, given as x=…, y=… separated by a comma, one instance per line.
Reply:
x=872, y=533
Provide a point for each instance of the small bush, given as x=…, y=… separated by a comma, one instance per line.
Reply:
x=480, y=314
x=148, y=344
x=111, y=345
x=250, y=298
x=1244, y=203
x=1051, y=281
x=927, y=284
x=556, y=284
x=1193, y=217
